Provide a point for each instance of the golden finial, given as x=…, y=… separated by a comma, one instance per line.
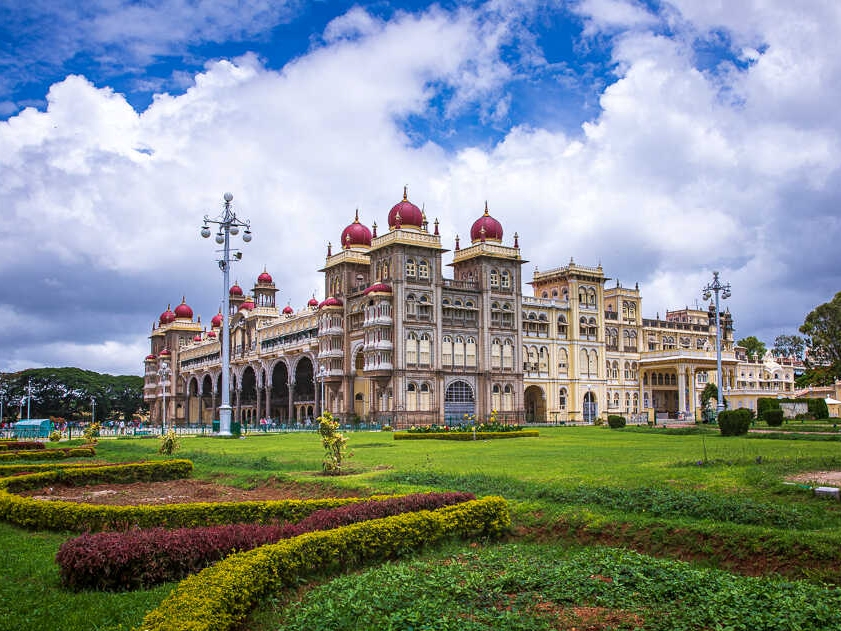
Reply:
x=405, y=192
x=487, y=214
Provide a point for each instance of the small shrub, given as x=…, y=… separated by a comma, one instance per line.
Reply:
x=735, y=422
x=55, y=436
x=774, y=418
x=91, y=432
x=334, y=443
x=616, y=421
x=169, y=443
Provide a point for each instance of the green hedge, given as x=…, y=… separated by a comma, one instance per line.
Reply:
x=219, y=598
x=774, y=418
x=523, y=433
x=615, y=421
x=735, y=422
x=48, y=454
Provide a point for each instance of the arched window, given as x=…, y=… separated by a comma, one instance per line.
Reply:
x=423, y=269
x=563, y=361
x=470, y=352
x=508, y=355
x=505, y=279
x=494, y=279
x=585, y=363
x=411, y=397
x=411, y=305
x=425, y=349
x=410, y=268
x=562, y=326
x=508, y=399
x=496, y=354
x=496, y=397
x=447, y=351
x=458, y=352
x=562, y=399
x=411, y=348
x=425, y=402
x=543, y=360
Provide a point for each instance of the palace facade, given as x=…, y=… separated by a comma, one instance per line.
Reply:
x=398, y=341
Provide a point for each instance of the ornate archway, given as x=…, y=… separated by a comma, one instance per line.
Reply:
x=459, y=400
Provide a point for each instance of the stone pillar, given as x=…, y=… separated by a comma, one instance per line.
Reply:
x=681, y=389
x=291, y=410
x=268, y=390
x=238, y=406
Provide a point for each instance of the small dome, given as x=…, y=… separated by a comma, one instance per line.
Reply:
x=165, y=353
x=167, y=317
x=287, y=310
x=265, y=278
x=356, y=234
x=197, y=338
x=216, y=321
x=407, y=213
x=312, y=302
x=150, y=357
x=248, y=305
x=331, y=302
x=486, y=228
x=378, y=288
x=183, y=310
x=235, y=290
x=211, y=334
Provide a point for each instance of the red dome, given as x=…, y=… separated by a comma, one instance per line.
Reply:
x=183, y=310
x=331, y=302
x=356, y=234
x=287, y=310
x=410, y=215
x=165, y=353
x=150, y=357
x=235, y=290
x=492, y=228
x=197, y=338
x=381, y=288
x=216, y=321
x=211, y=334
x=167, y=316
x=312, y=302
x=248, y=305
x=265, y=278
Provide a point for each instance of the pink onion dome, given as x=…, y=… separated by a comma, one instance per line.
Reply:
x=216, y=321
x=167, y=317
x=287, y=310
x=183, y=310
x=265, y=278
x=235, y=290
x=331, y=302
x=312, y=302
x=197, y=338
x=248, y=305
x=356, y=234
x=405, y=213
x=486, y=228
x=165, y=353
x=378, y=288
x=150, y=357
x=211, y=334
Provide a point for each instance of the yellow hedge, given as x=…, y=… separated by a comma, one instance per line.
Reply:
x=218, y=598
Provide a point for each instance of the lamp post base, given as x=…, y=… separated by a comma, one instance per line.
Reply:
x=225, y=420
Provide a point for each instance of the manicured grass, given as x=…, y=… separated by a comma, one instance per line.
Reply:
x=567, y=478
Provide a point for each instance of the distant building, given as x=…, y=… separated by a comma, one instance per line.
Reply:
x=401, y=343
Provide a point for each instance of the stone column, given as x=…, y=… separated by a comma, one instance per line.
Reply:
x=291, y=410
x=681, y=388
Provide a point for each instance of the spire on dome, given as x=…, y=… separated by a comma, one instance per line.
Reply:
x=329, y=248
x=405, y=192
x=374, y=228
x=516, y=240
x=436, y=227
x=457, y=246
x=487, y=214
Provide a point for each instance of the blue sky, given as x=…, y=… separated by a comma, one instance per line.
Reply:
x=661, y=139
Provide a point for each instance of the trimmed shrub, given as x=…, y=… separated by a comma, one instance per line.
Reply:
x=525, y=433
x=765, y=404
x=774, y=418
x=616, y=421
x=219, y=597
x=818, y=408
x=735, y=422
x=139, y=559
x=17, y=445
x=48, y=454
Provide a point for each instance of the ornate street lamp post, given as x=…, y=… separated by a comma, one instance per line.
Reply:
x=717, y=287
x=229, y=226
x=163, y=374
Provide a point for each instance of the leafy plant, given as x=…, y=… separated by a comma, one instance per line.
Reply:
x=616, y=421
x=55, y=436
x=334, y=443
x=91, y=432
x=169, y=443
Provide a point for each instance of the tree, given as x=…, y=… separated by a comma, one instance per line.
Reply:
x=789, y=346
x=822, y=329
x=754, y=346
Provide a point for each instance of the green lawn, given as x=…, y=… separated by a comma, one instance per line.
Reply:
x=585, y=476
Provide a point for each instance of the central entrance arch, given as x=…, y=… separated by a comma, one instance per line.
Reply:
x=535, y=404
x=458, y=401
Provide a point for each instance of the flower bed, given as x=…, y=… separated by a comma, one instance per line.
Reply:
x=139, y=559
x=523, y=433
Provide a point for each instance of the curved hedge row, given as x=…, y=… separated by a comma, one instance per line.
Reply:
x=523, y=433
x=142, y=558
x=77, y=517
x=48, y=454
x=17, y=445
x=219, y=597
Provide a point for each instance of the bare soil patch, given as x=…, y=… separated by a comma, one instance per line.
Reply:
x=183, y=492
x=818, y=478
